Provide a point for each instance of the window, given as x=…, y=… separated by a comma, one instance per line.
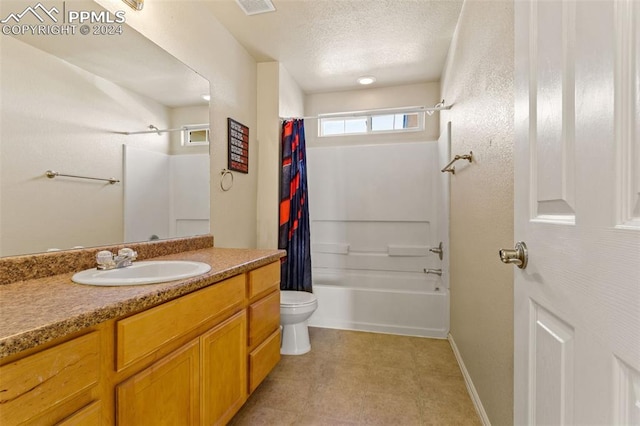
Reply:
x=195, y=134
x=343, y=126
x=388, y=122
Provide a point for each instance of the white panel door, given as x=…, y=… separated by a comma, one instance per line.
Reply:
x=577, y=207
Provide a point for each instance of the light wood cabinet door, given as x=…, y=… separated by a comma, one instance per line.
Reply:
x=224, y=370
x=50, y=385
x=167, y=393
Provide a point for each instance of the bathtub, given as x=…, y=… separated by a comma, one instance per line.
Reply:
x=407, y=304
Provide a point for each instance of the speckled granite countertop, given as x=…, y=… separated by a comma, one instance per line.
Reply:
x=35, y=311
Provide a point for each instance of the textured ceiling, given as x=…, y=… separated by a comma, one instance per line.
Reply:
x=327, y=44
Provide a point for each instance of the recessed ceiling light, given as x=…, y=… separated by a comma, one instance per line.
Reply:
x=366, y=80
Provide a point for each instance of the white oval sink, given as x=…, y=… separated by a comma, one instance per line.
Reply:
x=144, y=272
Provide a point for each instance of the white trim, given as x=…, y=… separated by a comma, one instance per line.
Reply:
x=469, y=383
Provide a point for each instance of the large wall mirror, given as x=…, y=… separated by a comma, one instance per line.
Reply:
x=101, y=106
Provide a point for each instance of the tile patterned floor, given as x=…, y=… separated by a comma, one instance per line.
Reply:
x=357, y=378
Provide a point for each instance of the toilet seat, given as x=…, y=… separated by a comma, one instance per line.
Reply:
x=296, y=298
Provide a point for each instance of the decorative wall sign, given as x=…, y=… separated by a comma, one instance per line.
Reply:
x=238, y=146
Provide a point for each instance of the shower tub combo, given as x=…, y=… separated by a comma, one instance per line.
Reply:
x=374, y=213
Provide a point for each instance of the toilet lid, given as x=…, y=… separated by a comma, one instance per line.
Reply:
x=288, y=298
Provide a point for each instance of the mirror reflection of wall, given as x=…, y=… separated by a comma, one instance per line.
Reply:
x=58, y=116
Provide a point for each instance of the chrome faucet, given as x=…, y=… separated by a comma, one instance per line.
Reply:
x=433, y=271
x=107, y=260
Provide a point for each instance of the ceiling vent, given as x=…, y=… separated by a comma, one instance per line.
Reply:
x=254, y=7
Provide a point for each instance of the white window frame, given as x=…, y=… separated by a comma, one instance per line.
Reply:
x=368, y=115
x=186, y=134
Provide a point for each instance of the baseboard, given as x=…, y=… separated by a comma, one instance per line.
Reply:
x=470, y=388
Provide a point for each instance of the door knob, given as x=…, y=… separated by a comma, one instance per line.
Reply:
x=517, y=256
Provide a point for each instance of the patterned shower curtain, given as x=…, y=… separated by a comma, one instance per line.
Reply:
x=294, y=236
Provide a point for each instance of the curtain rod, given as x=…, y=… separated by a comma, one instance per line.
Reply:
x=158, y=131
x=438, y=107
x=154, y=129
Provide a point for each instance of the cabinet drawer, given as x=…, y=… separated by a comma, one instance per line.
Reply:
x=263, y=359
x=49, y=379
x=90, y=415
x=144, y=333
x=264, y=318
x=264, y=280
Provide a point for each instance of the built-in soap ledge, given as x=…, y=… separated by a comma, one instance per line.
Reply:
x=395, y=250
x=411, y=251
x=40, y=265
x=331, y=248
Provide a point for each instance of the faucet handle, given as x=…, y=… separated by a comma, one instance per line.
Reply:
x=104, y=259
x=130, y=253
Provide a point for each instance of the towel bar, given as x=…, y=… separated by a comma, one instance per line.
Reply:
x=450, y=168
x=51, y=174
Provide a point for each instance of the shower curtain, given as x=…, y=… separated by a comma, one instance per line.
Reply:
x=294, y=236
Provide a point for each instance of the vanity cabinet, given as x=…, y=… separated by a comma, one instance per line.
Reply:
x=202, y=383
x=49, y=386
x=263, y=343
x=193, y=360
x=162, y=328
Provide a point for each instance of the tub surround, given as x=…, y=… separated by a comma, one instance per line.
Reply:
x=39, y=306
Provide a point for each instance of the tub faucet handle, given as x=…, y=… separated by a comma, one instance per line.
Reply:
x=437, y=250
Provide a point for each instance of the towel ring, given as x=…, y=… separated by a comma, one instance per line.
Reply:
x=224, y=173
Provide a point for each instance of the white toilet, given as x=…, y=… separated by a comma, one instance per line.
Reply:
x=295, y=309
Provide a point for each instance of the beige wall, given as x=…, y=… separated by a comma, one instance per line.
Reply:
x=478, y=81
x=190, y=32
x=278, y=96
x=290, y=96
x=268, y=138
